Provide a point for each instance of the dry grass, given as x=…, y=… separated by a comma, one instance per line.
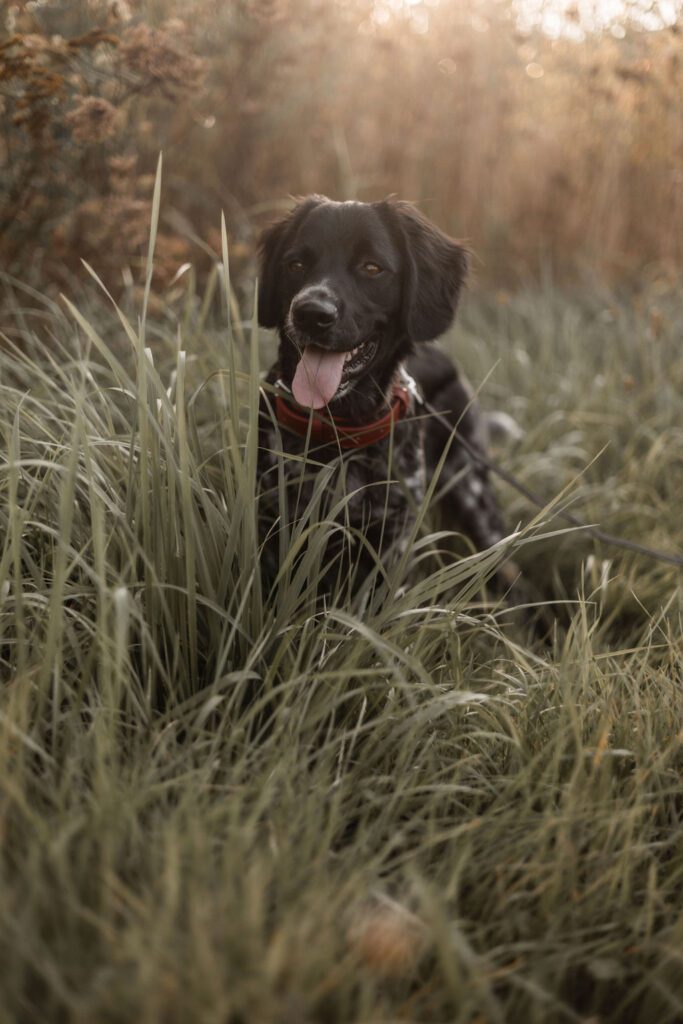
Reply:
x=223, y=805
x=542, y=153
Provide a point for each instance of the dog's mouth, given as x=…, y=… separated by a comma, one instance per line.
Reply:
x=322, y=375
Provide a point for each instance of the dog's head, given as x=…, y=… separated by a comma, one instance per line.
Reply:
x=350, y=287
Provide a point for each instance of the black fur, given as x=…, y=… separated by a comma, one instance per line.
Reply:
x=434, y=270
x=380, y=274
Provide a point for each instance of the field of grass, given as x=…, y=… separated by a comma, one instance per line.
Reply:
x=224, y=805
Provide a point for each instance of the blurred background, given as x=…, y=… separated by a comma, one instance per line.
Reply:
x=546, y=133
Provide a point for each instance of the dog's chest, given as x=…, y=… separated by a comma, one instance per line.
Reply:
x=375, y=489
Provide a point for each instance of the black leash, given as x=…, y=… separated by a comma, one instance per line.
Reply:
x=595, y=531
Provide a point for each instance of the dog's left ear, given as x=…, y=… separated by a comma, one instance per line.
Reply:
x=271, y=249
x=435, y=268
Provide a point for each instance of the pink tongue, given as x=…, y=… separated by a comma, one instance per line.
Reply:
x=317, y=376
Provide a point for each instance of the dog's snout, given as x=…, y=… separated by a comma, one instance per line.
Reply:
x=314, y=315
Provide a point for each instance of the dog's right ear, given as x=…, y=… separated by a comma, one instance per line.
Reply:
x=271, y=248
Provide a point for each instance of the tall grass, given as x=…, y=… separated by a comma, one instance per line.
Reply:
x=534, y=149
x=226, y=804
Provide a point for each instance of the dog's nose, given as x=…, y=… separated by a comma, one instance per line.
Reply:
x=314, y=316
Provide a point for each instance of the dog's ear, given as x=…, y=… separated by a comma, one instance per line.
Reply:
x=271, y=248
x=435, y=267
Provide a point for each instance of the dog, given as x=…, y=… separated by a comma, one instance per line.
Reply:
x=357, y=293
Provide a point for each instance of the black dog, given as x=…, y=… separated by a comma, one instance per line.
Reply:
x=356, y=291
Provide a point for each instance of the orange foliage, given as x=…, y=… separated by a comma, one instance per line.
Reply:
x=536, y=150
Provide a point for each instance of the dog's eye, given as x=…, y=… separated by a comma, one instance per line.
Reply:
x=296, y=266
x=371, y=269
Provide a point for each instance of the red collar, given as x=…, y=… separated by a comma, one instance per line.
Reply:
x=344, y=433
